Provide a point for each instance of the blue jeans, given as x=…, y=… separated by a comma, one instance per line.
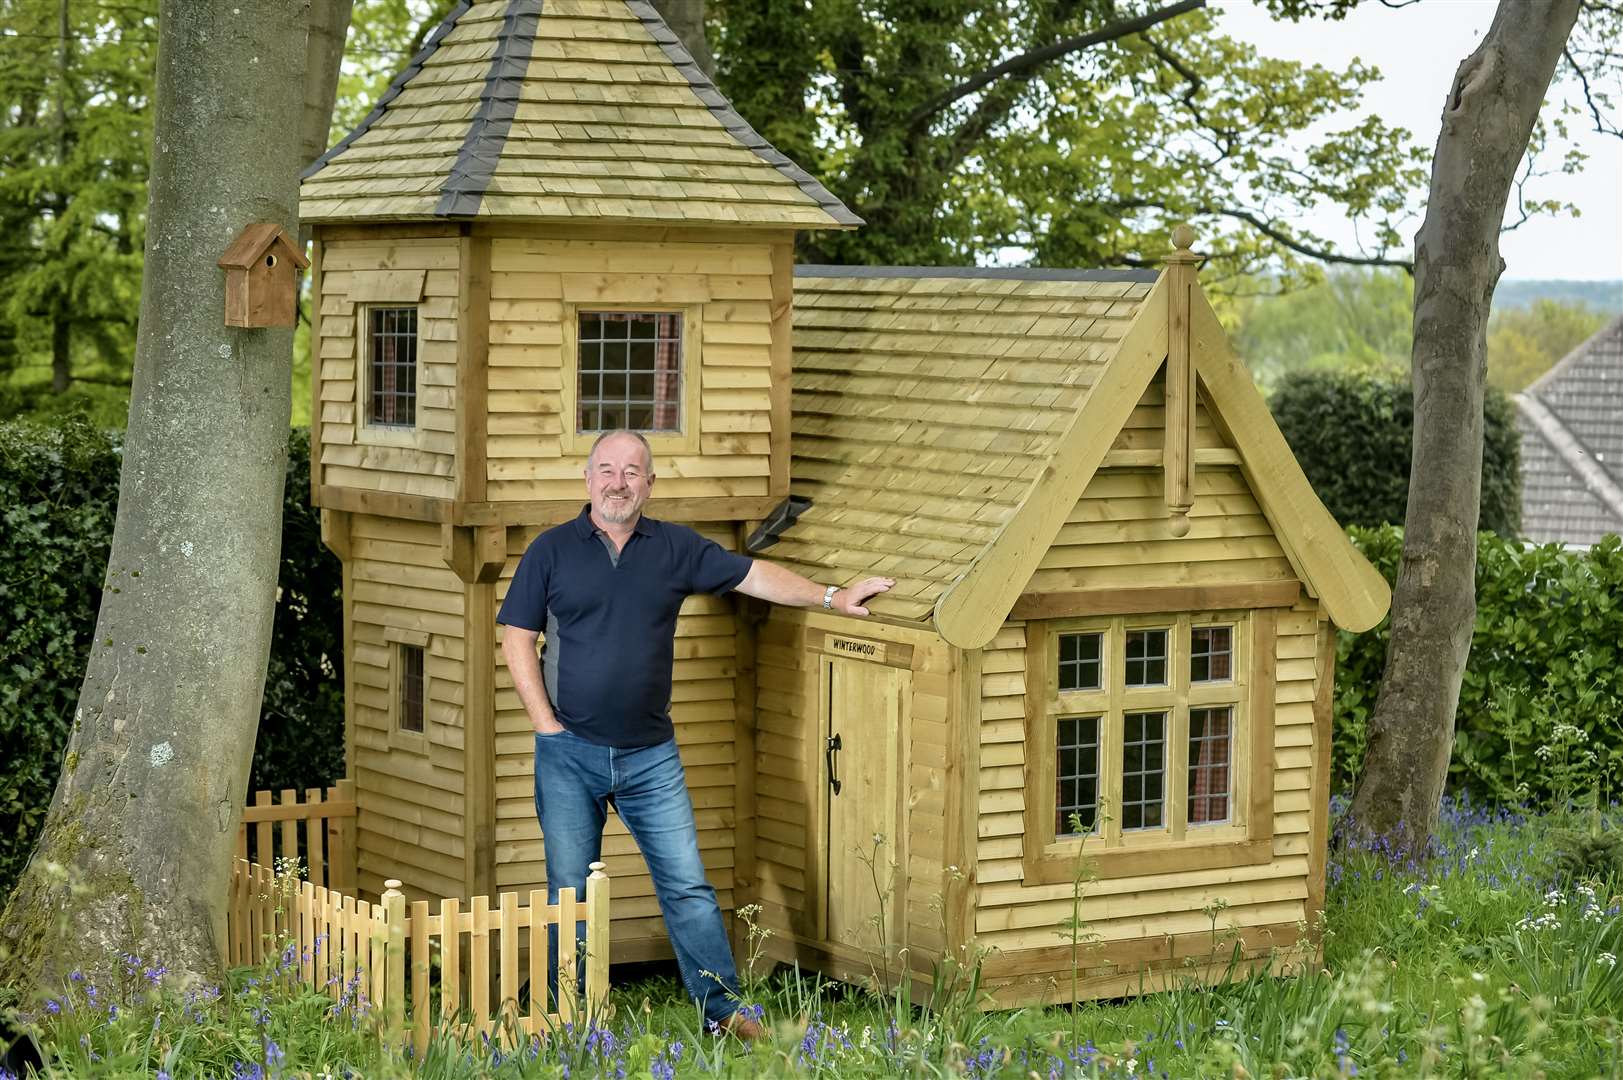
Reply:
x=574, y=782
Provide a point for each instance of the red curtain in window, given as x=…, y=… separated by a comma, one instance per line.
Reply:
x=1209, y=772
x=667, y=372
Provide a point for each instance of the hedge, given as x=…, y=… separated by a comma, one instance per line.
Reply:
x=59, y=488
x=1354, y=434
x=1540, y=715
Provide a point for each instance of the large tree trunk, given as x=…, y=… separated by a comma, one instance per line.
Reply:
x=1490, y=113
x=136, y=852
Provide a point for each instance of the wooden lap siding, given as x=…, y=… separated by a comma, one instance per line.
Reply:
x=424, y=467
x=532, y=281
x=702, y=710
x=789, y=761
x=410, y=822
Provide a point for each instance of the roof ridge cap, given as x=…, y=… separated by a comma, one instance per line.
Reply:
x=704, y=88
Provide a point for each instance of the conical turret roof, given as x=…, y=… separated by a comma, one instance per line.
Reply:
x=561, y=110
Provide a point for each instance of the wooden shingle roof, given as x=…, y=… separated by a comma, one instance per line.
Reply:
x=946, y=421
x=926, y=402
x=567, y=110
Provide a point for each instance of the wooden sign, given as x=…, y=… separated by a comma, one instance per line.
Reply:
x=889, y=653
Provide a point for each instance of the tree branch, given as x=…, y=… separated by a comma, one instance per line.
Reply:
x=1285, y=240
x=1589, y=97
x=1037, y=57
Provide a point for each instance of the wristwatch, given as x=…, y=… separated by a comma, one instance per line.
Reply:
x=828, y=597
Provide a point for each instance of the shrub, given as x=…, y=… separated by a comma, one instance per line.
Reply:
x=1540, y=714
x=59, y=487
x=1354, y=437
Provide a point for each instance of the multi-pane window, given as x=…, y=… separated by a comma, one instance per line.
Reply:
x=630, y=371
x=1211, y=654
x=1144, y=717
x=391, y=366
x=1077, y=773
x=1079, y=661
x=1211, y=738
x=1146, y=658
x=1143, y=770
x=411, y=687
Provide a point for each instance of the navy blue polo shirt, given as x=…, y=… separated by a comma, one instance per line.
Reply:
x=610, y=622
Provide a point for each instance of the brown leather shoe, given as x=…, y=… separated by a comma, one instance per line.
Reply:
x=746, y=1028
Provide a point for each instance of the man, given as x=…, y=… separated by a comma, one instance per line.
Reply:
x=605, y=588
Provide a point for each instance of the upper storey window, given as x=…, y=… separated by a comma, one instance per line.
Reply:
x=630, y=371
x=391, y=366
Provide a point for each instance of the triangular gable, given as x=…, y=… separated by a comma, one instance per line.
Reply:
x=561, y=111
x=1354, y=594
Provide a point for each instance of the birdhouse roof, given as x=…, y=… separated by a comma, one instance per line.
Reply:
x=569, y=110
x=945, y=421
x=252, y=243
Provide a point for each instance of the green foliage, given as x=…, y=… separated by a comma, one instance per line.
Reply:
x=59, y=490
x=74, y=137
x=1587, y=855
x=1524, y=343
x=1353, y=320
x=1354, y=438
x=1087, y=160
x=1540, y=713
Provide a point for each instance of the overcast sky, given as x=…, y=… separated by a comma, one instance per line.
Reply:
x=1417, y=49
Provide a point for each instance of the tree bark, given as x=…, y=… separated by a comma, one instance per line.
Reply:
x=329, y=26
x=686, y=20
x=1487, y=121
x=136, y=852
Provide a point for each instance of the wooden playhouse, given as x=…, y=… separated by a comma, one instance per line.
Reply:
x=1116, y=592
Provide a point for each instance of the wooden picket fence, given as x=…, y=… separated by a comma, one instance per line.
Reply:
x=459, y=965
x=318, y=831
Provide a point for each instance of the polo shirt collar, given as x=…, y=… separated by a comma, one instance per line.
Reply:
x=586, y=530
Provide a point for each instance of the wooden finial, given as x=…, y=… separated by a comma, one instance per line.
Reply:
x=1179, y=525
x=1183, y=237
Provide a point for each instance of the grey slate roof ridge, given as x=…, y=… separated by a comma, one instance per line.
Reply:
x=1594, y=477
x=1577, y=356
x=1016, y=273
x=736, y=125
x=481, y=150
x=397, y=84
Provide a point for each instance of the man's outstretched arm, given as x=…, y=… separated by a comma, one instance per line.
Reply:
x=768, y=581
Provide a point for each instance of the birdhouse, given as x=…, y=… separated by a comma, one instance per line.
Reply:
x=260, y=289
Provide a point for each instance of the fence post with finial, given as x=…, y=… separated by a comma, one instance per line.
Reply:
x=597, y=939
x=394, y=961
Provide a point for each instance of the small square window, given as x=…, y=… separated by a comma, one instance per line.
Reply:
x=391, y=361
x=1211, y=737
x=1079, y=661
x=1077, y=774
x=1143, y=771
x=1146, y=658
x=1211, y=654
x=630, y=371
x=411, y=688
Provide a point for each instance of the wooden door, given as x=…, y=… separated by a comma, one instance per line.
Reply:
x=863, y=729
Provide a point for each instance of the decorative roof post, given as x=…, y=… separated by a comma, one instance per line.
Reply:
x=1178, y=453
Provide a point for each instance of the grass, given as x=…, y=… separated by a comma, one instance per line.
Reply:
x=1479, y=962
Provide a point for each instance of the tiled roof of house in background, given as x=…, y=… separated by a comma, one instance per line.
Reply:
x=560, y=110
x=1571, y=423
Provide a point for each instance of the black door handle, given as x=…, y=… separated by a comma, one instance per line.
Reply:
x=833, y=764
